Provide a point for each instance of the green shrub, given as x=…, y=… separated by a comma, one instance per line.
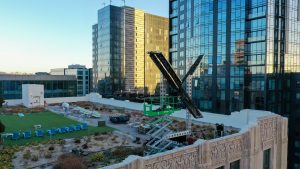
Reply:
x=69, y=161
x=48, y=155
x=27, y=155
x=85, y=146
x=77, y=141
x=1, y=101
x=51, y=148
x=138, y=151
x=6, y=156
x=121, y=152
x=61, y=141
x=34, y=158
x=2, y=127
x=98, y=157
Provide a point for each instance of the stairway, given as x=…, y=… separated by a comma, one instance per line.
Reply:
x=160, y=134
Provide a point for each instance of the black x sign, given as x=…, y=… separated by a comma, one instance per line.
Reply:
x=176, y=83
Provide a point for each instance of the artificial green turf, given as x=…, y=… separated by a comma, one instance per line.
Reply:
x=48, y=120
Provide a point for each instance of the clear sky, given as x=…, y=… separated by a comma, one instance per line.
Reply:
x=37, y=35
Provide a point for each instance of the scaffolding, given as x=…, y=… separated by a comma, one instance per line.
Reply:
x=159, y=132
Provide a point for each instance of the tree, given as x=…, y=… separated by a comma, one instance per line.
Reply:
x=69, y=161
x=1, y=101
x=2, y=127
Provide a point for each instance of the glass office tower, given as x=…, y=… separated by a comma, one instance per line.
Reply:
x=243, y=42
x=250, y=48
x=156, y=39
x=217, y=30
x=108, y=50
x=120, y=66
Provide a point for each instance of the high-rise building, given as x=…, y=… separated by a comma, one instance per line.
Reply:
x=95, y=54
x=120, y=65
x=156, y=39
x=250, y=47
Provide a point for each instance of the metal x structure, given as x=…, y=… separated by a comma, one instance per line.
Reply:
x=176, y=83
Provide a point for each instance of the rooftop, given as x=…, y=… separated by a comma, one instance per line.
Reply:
x=7, y=77
x=242, y=119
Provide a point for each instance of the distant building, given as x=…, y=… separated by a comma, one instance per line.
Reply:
x=42, y=73
x=57, y=71
x=120, y=65
x=95, y=56
x=83, y=75
x=54, y=85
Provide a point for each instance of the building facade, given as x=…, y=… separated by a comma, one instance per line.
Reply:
x=108, y=56
x=120, y=65
x=262, y=145
x=82, y=74
x=95, y=54
x=54, y=85
x=250, y=47
x=288, y=90
x=156, y=39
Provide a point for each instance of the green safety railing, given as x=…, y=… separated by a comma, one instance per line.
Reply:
x=159, y=106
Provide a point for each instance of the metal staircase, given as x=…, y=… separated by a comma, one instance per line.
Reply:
x=160, y=133
x=160, y=136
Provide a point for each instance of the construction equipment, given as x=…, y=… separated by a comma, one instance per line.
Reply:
x=159, y=106
x=118, y=119
x=158, y=130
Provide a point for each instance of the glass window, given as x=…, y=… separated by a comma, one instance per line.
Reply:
x=235, y=165
x=271, y=84
x=298, y=96
x=298, y=10
x=297, y=144
x=297, y=166
x=266, y=159
x=298, y=84
x=181, y=7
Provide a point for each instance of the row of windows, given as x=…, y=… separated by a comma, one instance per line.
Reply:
x=13, y=89
x=266, y=161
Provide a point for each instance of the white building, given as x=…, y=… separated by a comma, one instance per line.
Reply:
x=33, y=95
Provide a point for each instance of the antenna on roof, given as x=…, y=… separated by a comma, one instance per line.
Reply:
x=110, y=1
x=124, y=2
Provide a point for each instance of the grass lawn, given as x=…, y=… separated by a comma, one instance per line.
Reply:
x=48, y=120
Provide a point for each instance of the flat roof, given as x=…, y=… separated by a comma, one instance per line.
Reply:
x=10, y=77
x=239, y=119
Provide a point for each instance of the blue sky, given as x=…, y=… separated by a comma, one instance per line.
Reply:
x=37, y=35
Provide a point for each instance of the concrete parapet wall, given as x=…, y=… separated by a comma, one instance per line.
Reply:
x=269, y=132
x=49, y=100
x=92, y=97
x=65, y=99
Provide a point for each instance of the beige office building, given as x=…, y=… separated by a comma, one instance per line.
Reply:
x=156, y=39
x=144, y=33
